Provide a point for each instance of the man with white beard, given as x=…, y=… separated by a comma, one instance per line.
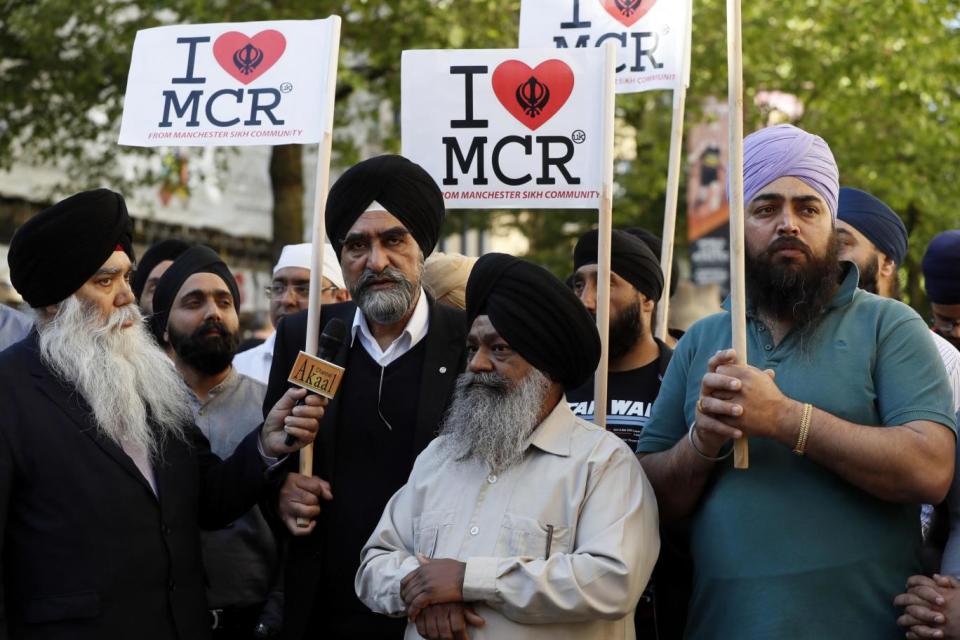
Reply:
x=104, y=480
x=520, y=520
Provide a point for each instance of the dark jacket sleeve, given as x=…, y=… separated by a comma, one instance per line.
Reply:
x=229, y=488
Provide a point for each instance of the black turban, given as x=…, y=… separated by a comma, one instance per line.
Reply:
x=941, y=268
x=401, y=186
x=197, y=259
x=164, y=250
x=630, y=258
x=537, y=315
x=56, y=251
x=656, y=245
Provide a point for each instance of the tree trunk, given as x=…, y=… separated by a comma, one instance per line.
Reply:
x=286, y=178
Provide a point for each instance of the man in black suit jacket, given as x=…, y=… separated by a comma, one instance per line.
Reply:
x=104, y=480
x=405, y=352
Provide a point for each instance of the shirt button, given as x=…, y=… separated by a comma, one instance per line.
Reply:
x=491, y=478
x=768, y=347
x=474, y=530
x=443, y=369
x=760, y=329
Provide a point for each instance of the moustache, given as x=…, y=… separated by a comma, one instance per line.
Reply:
x=487, y=380
x=788, y=243
x=370, y=278
x=116, y=320
x=214, y=326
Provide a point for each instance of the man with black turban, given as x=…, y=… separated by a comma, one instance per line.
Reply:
x=638, y=362
x=637, y=359
x=105, y=481
x=405, y=350
x=849, y=414
x=521, y=520
x=196, y=305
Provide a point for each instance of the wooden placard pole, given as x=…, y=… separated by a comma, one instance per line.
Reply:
x=605, y=231
x=322, y=183
x=738, y=300
x=670, y=209
x=674, y=166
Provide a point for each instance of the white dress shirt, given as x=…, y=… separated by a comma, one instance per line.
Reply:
x=255, y=363
x=581, y=581
x=413, y=333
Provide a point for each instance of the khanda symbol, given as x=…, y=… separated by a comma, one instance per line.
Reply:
x=533, y=96
x=627, y=7
x=247, y=58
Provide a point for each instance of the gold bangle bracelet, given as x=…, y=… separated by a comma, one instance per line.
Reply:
x=801, y=446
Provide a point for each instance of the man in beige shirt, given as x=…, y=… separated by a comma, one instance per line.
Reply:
x=520, y=520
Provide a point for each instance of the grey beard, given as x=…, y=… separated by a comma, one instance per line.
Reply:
x=491, y=418
x=126, y=379
x=386, y=306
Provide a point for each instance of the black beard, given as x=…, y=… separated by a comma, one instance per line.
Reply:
x=869, y=280
x=209, y=355
x=790, y=291
x=626, y=329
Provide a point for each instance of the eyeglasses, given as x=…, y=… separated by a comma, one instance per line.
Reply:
x=278, y=289
x=301, y=290
x=946, y=325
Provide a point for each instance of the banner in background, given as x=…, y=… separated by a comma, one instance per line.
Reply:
x=707, y=207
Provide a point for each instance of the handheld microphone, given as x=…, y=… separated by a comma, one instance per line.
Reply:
x=326, y=369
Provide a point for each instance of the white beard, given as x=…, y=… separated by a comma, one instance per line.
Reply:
x=127, y=380
x=490, y=418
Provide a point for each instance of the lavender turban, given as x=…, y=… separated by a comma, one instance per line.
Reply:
x=785, y=150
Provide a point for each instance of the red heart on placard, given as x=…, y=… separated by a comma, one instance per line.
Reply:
x=246, y=58
x=627, y=12
x=533, y=96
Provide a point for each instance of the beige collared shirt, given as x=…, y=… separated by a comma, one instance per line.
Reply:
x=584, y=583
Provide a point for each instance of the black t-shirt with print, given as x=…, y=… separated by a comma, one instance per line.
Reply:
x=630, y=396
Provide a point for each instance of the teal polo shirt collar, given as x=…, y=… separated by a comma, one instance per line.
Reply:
x=843, y=296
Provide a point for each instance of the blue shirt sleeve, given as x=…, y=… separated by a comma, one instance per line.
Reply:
x=668, y=422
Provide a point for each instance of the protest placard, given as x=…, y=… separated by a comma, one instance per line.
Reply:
x=229, y=84
x=651, y=36
x=506, y=128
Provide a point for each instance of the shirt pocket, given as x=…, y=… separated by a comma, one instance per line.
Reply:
x=528, y=537
x=428, y=528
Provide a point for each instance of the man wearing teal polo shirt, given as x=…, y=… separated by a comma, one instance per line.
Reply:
x=849, y=416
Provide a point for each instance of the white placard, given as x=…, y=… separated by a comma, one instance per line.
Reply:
x=652, y=36
x=506, y=128
x=229, y=84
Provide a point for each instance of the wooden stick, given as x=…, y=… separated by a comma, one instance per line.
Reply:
x=605, y=232
x=670, y=209
x=738, y=300
x=324, y=152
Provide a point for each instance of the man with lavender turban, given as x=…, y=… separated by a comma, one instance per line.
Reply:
x=849, y=414
x=788, y=151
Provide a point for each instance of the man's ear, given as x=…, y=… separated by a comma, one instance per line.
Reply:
x=647, y=304
x=887, y=266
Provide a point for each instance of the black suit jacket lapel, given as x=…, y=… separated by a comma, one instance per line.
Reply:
x=76, y=408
